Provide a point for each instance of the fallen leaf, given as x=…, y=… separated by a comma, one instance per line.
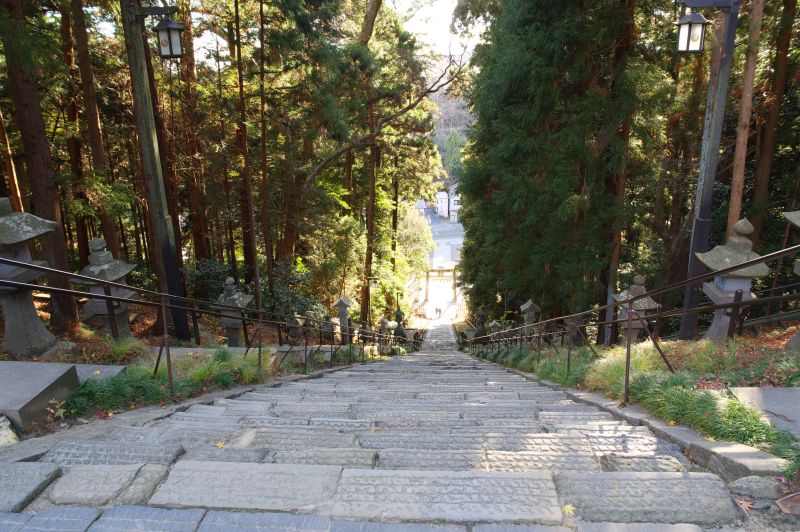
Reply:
x=568, y=510
x=97, y=372
x=672, y=422
x=220, y=444
x=745, y=504
x=373, y=430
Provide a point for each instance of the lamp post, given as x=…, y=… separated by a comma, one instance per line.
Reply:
x=372, y=282
x=691, y=39
x=161, y=223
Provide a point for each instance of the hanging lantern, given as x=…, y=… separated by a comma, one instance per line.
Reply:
x=692, y=33
x=169, y=35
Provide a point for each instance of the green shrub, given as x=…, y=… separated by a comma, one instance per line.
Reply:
x=206, y=278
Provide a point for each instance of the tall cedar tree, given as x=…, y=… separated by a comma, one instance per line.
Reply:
x=549, y=103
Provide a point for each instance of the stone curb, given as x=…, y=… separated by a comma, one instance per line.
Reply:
x=729, y=460
x=31, y=449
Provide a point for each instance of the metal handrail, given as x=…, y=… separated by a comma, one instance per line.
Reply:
x=195, y=308
x=536, y=331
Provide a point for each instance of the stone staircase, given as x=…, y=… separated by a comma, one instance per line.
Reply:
x=436, y=440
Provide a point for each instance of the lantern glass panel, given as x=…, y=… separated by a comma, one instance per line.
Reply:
x=175, y=42
x=696, y=34
x=163, y=43
x=683, y=37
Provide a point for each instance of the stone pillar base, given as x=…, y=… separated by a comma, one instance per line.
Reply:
x=25, y=334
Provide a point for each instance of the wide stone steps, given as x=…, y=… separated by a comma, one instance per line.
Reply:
x=437, y=439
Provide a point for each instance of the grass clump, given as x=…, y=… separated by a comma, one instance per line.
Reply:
x=192, y=375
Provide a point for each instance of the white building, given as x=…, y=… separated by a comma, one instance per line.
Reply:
x=420, y=207
x=455, y=202
x=442, y=204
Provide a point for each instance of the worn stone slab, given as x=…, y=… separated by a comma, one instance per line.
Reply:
x=97, y=371
x=631, y=445
x=354, y=424
x=20, y=482
x=13, y=522
x=635, y=463
x=541, y=460
x=276, y=487
x=518, y=528
x=361, y=526
x=446, y=495
x=354, y=458
x=216, y=521
x=779, y=404
x=94, y=452
x=26, y=388
x=420, y=440
x=697, y=498
x=732, y=460
x=142, y=486
x=637, y=527
x=227, y=454
x=426, y=460
x=92, y=485
x=129, y=518
x=63, y=518
x=297, y=439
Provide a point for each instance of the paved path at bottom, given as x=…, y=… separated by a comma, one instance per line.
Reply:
x=436, y=440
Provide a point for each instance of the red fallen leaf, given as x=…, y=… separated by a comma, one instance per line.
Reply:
x=745, y=504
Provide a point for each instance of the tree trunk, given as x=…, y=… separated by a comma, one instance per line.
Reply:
x=198, y=212
x=266, y=226
x=246, y=194
x=367, y=29
x=28, y=114
x=10, y=177
x=73, y=140
x=100, y=165
x=745, y=116
x=775, y=101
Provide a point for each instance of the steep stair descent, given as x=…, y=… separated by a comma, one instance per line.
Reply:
x=432, y=437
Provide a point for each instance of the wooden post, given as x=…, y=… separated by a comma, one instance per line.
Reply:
x=161, y=223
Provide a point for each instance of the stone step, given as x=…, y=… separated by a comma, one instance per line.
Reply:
x=20, y=482
x=698, y=498
x=75, y=452
x=226, y=485
x=296, y=439
x=447, y=496
x=362, y=493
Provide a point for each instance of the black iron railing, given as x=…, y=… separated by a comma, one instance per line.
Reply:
x=532, y=335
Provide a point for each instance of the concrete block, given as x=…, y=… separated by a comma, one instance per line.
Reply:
x=26, y=388
x=129, y=518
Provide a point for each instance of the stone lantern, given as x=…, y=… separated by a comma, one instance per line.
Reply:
x=480, y=331
x=231, y=318
x=25, y=334
x=103, y=266
x=530, y=312
x=383, y=326
x=737, y=249
x=495, y=327
x=400, y=318
x=343, y=305
x=641, y=306
x=294, y=327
